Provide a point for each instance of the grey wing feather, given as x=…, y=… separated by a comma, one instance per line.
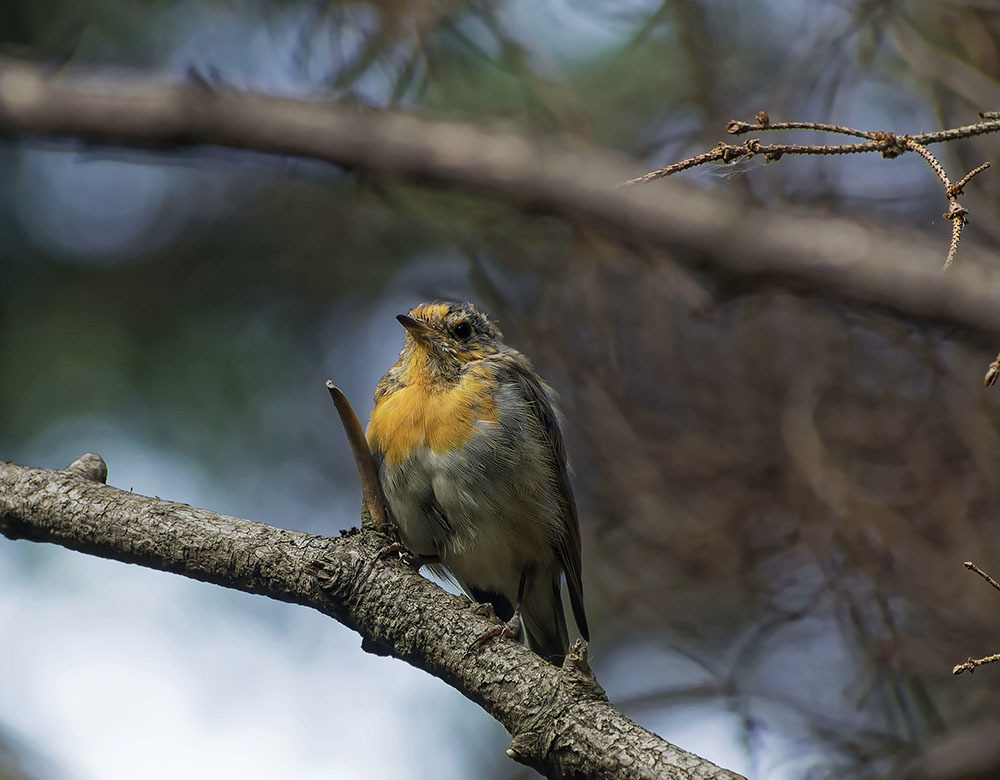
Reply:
x=568, y=546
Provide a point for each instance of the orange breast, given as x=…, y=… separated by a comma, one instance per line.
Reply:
x=440, y=418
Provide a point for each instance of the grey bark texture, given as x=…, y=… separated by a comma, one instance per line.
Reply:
x=560, y=719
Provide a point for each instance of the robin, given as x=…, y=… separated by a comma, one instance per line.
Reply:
x=471, y=458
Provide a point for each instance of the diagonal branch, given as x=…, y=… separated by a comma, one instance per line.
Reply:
x=561, y=721
x=972, y=567
x=830, y=257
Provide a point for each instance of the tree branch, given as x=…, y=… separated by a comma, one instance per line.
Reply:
x=561, y=720
x=371, y=488
x=822, y=255
x=972, y=663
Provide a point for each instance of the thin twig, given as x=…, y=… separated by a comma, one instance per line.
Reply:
x=717, y=154
x=957, y=213
x=371, y=488
x=958, y=186
x=954, y=133
x=992, y=373
x=736, y=127
x=932, y=161
x=888, y=144
x=727, y=153
x=959, y=217
x=970, y=565
x=972, y=663
x=990, y=124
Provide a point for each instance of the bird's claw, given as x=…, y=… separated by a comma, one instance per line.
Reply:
x=411, y=559
x=484, y=609
x=511, y=629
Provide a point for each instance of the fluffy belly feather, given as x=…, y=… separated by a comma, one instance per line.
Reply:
x=482, y=528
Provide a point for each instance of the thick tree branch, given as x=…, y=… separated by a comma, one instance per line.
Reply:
x=823, y=255
x=561, y=721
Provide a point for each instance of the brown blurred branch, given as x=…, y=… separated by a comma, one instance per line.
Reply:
x=748, y=246
x=972, y=663
x=560, y=719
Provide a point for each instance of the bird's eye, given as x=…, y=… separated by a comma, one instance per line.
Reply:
x=463, y=330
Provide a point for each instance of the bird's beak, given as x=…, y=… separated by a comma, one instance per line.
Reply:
x=414, y=327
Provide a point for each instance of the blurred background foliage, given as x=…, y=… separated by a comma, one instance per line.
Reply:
x=776, y=491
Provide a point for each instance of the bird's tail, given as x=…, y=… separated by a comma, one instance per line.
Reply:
x=543, y=620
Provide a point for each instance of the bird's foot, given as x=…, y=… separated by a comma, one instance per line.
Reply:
x=483, y=609
x=510, y=629
x=406, y=556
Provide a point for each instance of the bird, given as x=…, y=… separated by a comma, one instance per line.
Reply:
x=468, y=447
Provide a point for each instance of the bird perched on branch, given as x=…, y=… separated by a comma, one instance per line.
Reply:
x=471, y=458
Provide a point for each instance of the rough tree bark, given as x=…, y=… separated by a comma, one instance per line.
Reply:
x=560, y=719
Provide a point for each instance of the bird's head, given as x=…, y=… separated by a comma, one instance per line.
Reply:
x=442, y=337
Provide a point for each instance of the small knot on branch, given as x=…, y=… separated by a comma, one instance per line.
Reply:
x=737, y=127
x=959, y=212
x=728, y=152
x=90, y=466
x=525, y=748
x=888, y=144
